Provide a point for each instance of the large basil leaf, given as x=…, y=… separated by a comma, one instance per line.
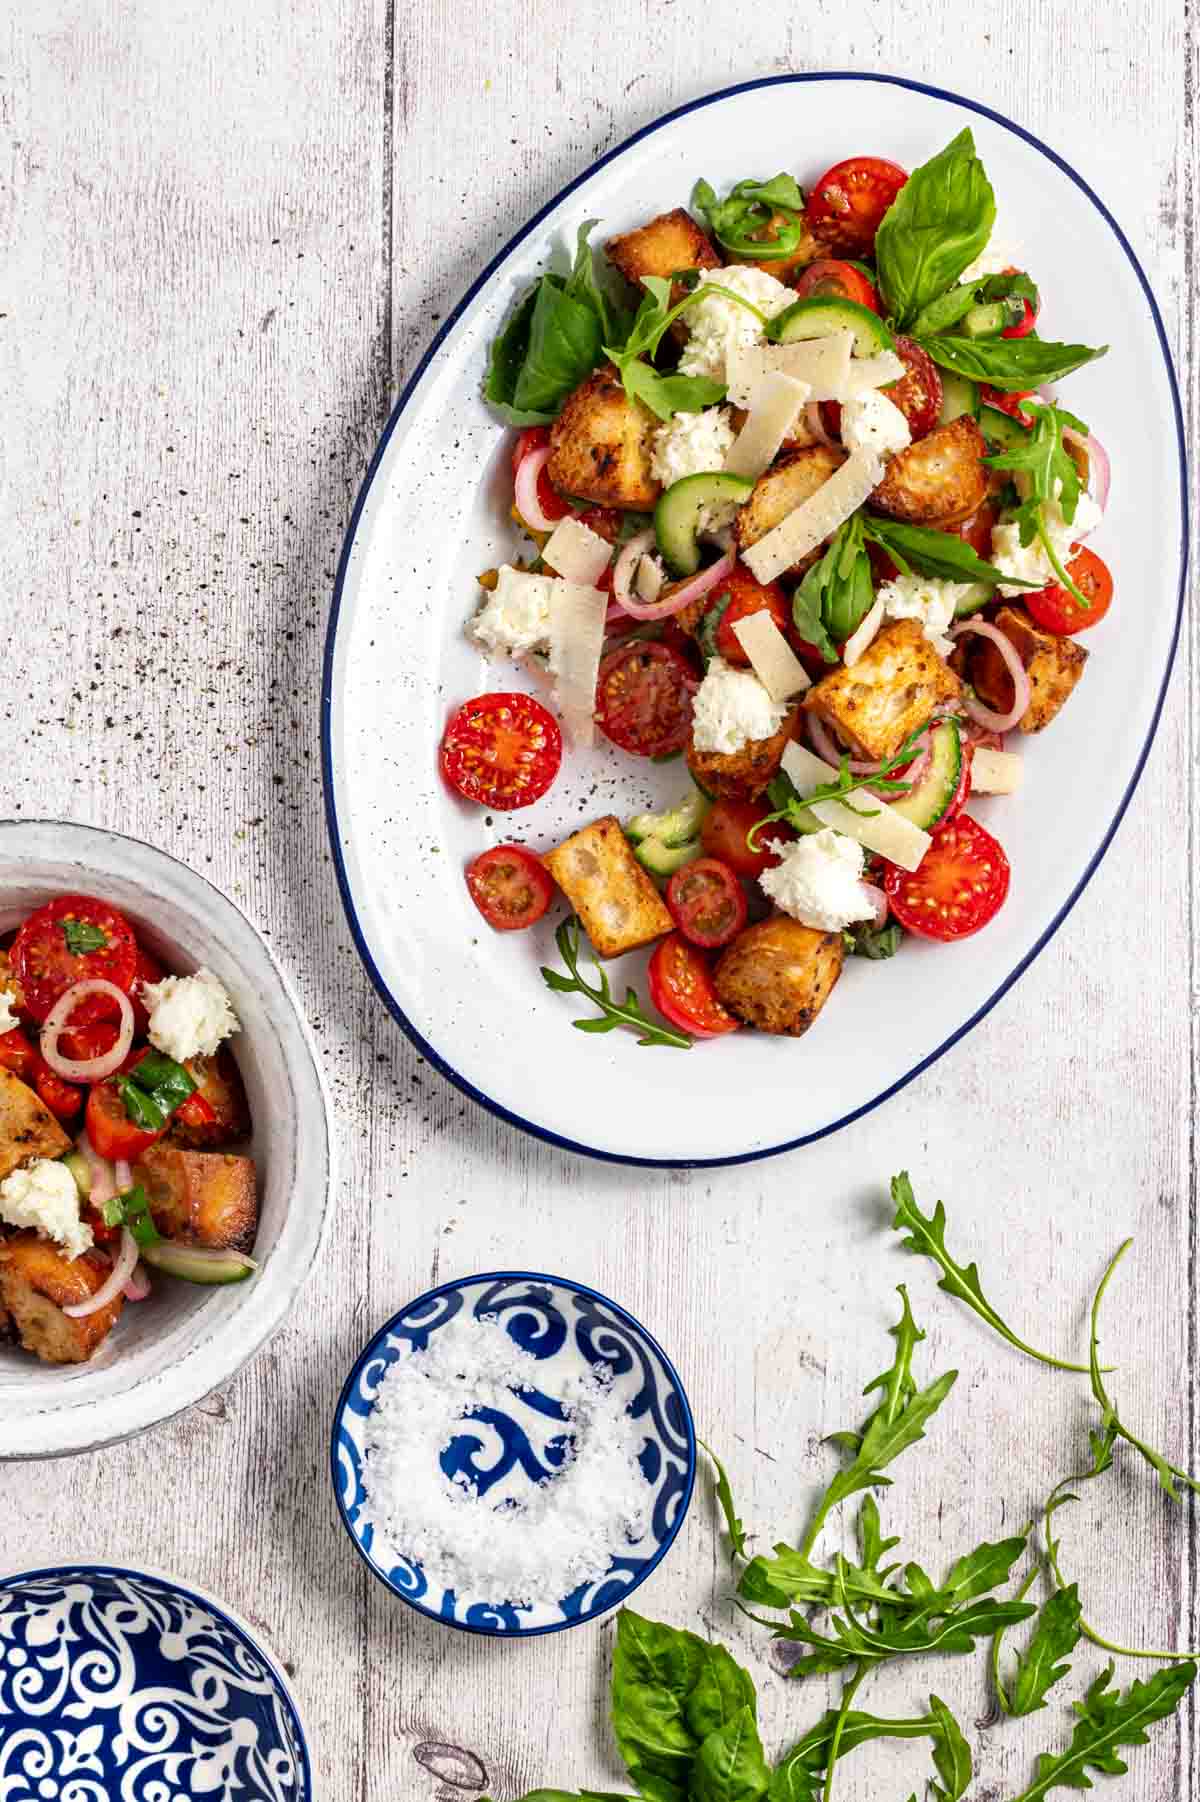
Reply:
x=1010, y=363
x=937, y=225
x=730, y=1766
x=551, y=343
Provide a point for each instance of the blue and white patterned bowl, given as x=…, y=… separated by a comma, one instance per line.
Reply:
x=117, y=1686
x=566, y=1325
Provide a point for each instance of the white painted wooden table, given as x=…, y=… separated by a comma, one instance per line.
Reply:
x=227, y=234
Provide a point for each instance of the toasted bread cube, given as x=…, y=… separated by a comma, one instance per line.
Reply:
x=608, y=888
x=1053, y=665
x=889, y=693
x=792, y=479
x=9, y=983
x=601, y=446
x=666, y=245
x=200, y=1197
x=37, y=1281
x=743, y=775
x=27, y=1127
x=938, y=481
x=219, y=1081
x=779, y=974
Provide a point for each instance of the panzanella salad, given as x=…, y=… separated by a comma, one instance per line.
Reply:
x=119, y=1100
x=800, y=507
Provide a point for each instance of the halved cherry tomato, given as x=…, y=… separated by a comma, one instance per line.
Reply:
x=644, y=699
x=707, y=902
x=62, y=1098
x=1009, y=403
x=17, y=1054
x=510, y=887
x=724, y=832
x=537, y=437
x=46, y=967
x=195, y=1111
x=977, y=530
x=918, y=393
x=829, y=278
x=502, y=751
x=960, y=885
x=681, y=988
x=747, y=596
x=1055, y=608
x=111, y=1131
x=845, y=208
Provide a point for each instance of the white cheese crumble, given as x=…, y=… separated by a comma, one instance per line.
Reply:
x=527, y=1539
x=1029, y=561
x=45, y=1195
x=872, y=422
x=819, y=881
x=717, y=324
x=691, y=444
x=930, y=600
x=190, y=1016
x=8, y=1001
x=516, y=616
x=733, y=709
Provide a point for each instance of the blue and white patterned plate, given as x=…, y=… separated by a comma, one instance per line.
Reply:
x=117, y=1686
x=566, y=1326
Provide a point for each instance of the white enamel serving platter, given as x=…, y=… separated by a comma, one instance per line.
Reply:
x=432, y=513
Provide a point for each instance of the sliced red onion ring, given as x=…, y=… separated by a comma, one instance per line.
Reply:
x=987, y=716
x=138, y=1286
x=86, y=1069
x=691, y=591
x=816, y=425
x=625, y=567
x=879, y=901
x=104, y=1182
x=525, y=490
x=113, y=1286
x=124, y=1176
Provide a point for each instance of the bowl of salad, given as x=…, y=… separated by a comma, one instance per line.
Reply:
x=164, y=1148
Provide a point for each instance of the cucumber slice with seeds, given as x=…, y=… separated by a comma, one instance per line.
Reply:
x=819, y=317
x=678, y=515
x=930, y=800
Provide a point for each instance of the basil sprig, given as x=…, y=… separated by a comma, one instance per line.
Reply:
x=937, y=225
x=1011, y=364
x=759, y=219
x=934, y=553
x=551, y=342
x=82, y=937
x=837, y=593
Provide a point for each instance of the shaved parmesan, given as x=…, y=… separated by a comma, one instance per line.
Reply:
x=993, y=772
x=877, y=826
x=858, y=641
x=576, y=640
x=824, y=363
x=576, y=552
x=809, y=524
x=649, y=578
x=771, y=656
x=872, y=372
x=774, y=409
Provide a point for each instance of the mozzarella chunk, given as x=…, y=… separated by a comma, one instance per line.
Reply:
x=718, y=325
x=8, y=1018
x=516, y=616
x=819, y=881
x=809, y=524
x=691, y=444
x=931, y=600
x=1029, y=561
x=190, y=1016
x=573, y=550
x=45, y=1195
x=733, y=709
x=871, y=422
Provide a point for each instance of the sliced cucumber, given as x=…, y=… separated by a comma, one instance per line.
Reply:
x=990, y=318
x=664, y=860
x=930, y=800
x=820, y=317
x=77, y=1164
x=959, y=397
x=1001, y=429
x=677, y=515
x=197, y=1264
x=673, y=827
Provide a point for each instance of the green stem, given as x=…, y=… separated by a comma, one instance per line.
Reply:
x=1089, y=1632
x=848, y=1694
x=1055, y=564
x=1112, y=1419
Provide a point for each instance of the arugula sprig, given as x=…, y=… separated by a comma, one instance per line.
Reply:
x=936, y=553
x=793, y=808
x=1108, y=1722
x=611, y=1013
x=1051, y=475
x=666, y=395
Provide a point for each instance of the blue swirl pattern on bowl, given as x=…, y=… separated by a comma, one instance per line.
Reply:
x=116, y=1685
x=565, y=1325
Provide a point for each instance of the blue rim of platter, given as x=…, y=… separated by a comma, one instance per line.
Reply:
x=575, y=1288
x=92, y=1567
x=422, y=1044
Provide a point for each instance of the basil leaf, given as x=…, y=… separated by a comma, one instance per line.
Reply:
x=141, y=1108
x=505, y=358
x=583, y=285
x=937, y=225
x=806, y=612
x=169, y=1083
x=82, y=937
x=132, y=1210
x=1001, y=287
x=111, y=1211
x=874, y=942
x=944, y=312
x=1010, y=363
x=730, y=1766
x=564, y=347
x=667, y=395
x=837, y=593
x=935, y=553
x=723, y=1690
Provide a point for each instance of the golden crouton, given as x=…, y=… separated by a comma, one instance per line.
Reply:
x=793, y=478
x=601, y=445
x=743, y=775
x=783, y=268
x=27, y=1127
x=219, y=1081
x=779, y=974
x=888, y=694
x=1053, y=665
x=200, y=1197
x=940, y=479
x=37, y=1281
x=9, y=981
x=666, y=245
x=608, y=888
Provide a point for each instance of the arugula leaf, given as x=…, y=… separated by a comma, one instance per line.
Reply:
x=791, y=1782
x=82, y=937
x=1058, y=1632
x=858, y=1729
x=1169, y=1475
x=730, y=1766
x=611, y=1013
x=937, y=225
x=951, y=1755
x=789, y=1576
x=874, y=942
x=1050, y=475
x=854, y=1641
x=733, y=1524
x=1107, y=1722
x=937, y=553
x=789, y=805
x=926, y=1236
x=666, y=395
x=1010, y=363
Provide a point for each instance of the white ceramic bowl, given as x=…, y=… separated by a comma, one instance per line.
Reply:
x=171, y=1350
